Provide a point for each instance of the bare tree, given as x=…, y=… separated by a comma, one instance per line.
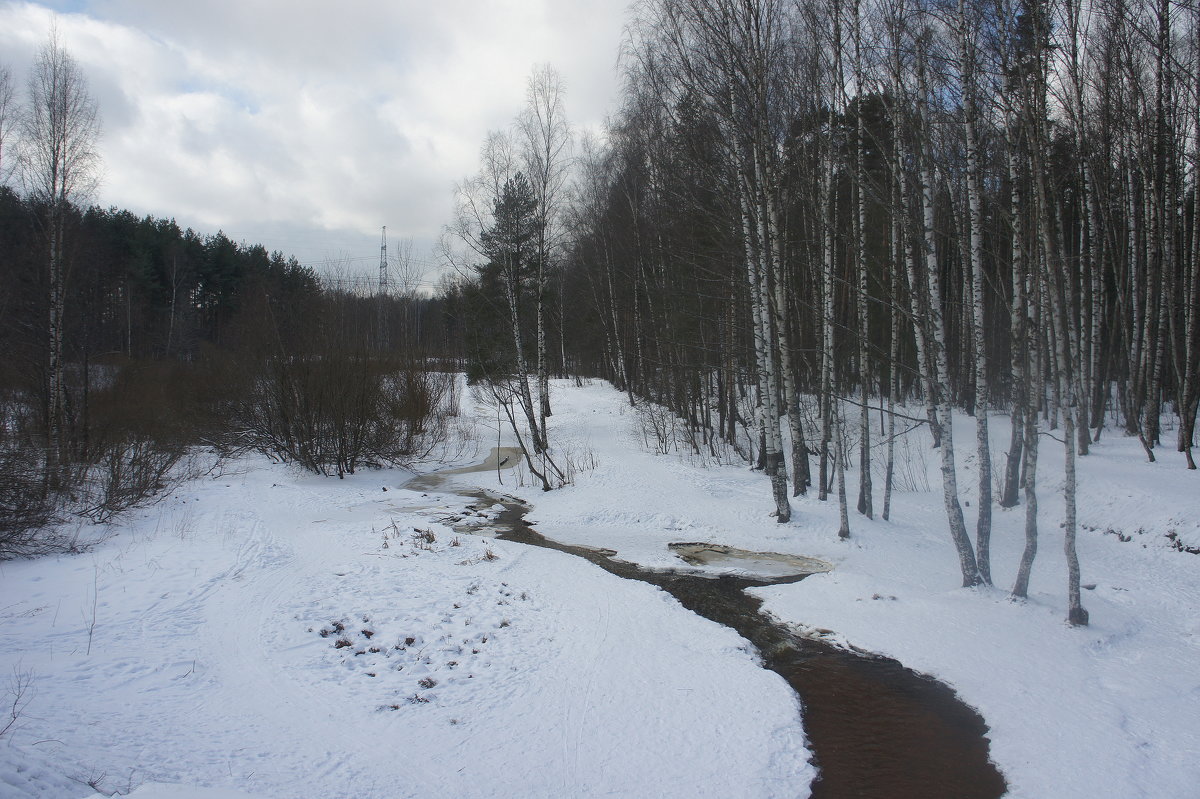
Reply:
x=546, y=153
x=8, y=122
x=938, y=340
x=59, y=165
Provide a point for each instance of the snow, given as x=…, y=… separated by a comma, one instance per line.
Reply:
x=501, y=670
x=505, y=670
x=160, y=790
x=1112, y=709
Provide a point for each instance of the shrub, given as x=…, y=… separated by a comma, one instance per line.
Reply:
x=337, y=411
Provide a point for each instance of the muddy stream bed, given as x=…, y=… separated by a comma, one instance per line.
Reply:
x=876, y=729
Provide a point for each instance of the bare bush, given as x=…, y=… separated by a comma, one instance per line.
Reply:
x=24, y=506
x=574, y=461
x=665, y=432
x=27, y=506
x=319, y=386
x=143, y=421
x=338, y=411
x=132, y=473
x=131, y=427
x=912, y=468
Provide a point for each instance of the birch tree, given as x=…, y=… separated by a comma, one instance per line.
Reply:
x=725, y=51
x=937, y=360
x=59, y=166
x=545, y=143
x=865, y=491
x=495, y=221
x=1037, y=167
x=967, y=67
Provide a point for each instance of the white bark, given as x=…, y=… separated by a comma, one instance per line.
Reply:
x=1029, y=480
x=983, y=529
x=1018, y=338
x=768, y=386
x=938, y=362
x=865, y=490
x=840, y=468
x=826, y=285
x=1066, y=351
x=791, y=396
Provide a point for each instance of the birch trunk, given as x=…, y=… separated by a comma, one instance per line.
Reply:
x=983, y=529
x=543, y=368
x=772, y=440
x=865, y=491
x=56, y=454
x=840, y=468
x=524, y=393
x=1029, y=483
x=1065, y=356
x=801, y=476
x=954, y=514
x=1019, y=353
x=893, y=387
x=826, y=203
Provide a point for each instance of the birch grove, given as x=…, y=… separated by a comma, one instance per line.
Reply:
x=846, y=219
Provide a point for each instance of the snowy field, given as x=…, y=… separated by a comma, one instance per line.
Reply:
x=271, y=634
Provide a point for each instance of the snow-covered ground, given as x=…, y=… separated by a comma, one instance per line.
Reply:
x=216, y=621
x=1112, y=709
x=287, y=635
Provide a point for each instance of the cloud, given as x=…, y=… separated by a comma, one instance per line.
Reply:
x=304, y=125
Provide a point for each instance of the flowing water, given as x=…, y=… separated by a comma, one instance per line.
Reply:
x=876, y=728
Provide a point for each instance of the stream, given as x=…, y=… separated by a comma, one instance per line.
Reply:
x=875, y=728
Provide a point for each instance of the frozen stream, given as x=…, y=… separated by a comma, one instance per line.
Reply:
x=875, y=727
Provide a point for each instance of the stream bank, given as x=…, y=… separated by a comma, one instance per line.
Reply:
x=875, y=728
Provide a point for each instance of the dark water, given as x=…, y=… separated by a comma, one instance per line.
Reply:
x=876, y=729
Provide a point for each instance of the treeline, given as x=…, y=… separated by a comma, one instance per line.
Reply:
x=807, y=210
x=142, y=288
x=137, y=287
x=174, y=343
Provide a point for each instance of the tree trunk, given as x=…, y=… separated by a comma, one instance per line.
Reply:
x=954, y=514
x=865, y=500
x=983, y=530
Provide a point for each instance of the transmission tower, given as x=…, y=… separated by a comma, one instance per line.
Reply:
x=383, y=290
x=383, y=264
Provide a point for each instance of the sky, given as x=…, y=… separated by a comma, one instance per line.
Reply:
x=307, y=126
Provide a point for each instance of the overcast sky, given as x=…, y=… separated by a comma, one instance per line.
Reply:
x=306, y=125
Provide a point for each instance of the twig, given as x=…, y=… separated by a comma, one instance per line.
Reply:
x=95, y=602
x=19, y=686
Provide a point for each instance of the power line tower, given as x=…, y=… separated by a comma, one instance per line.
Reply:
x=382, y=299
x=383, y=263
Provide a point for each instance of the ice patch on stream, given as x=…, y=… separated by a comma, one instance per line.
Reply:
x=726, y=560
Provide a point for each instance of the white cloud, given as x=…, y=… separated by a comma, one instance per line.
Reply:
x=307, y=125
